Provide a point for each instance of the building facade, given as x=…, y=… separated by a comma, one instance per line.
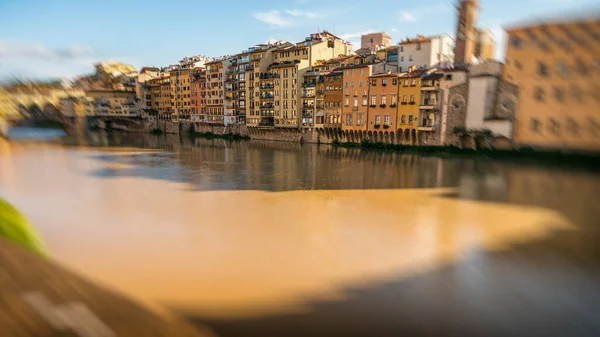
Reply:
x=332, y=83
x=425, y=52
x=556, y=69
x=383, y=103
x=375, y=41
x=409, y=97
x=356, y=96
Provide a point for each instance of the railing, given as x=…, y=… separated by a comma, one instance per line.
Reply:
x=267, y=87
x=267, y=96
x=267, y=106
x=306, y=115
x=312, y=73
x=264, y=76
x=309, y=84
x=308, y=95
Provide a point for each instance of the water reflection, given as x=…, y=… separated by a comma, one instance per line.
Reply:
x=353, y=244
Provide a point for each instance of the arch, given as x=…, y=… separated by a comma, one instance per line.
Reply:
x=481, y=143
x=386, y=137
x=50, y=110
x=346, y=136
x=392, y=138
x=380, y=136
x=502, y=143
x=407, y=139
x=399, y=133
x=370, y=136
x=413, y=137
x=467, y=142
x=35, y=111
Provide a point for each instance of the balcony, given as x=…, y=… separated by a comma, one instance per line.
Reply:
x=308, y=106
x=267, y=106
x=265, y=76
x=308, y=95
x=307, y=114
x=267, y=96
x=428, y=87
x=241, y=89
x=427, y=104
x=309, y=84
x=267, y=87
x=312, y=73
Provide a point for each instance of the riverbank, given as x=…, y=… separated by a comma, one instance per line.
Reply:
x=227, y=136
x=524, y=154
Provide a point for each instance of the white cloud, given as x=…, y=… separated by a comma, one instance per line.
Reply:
x=286, y=17
x=407, y=17
x=354, y=35
x=11, y=49
x=272, y=17
x=411, y=15
x=36, y=60
x=299, y=13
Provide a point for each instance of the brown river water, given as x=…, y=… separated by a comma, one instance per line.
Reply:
x=276, y=239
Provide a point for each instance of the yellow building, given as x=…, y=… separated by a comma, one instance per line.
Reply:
x=409, y=96
x=215, y=91
x=556, y=68
x=181, y=102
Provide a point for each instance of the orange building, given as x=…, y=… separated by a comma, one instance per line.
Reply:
x=333, y=99
x=383, y=105
x=356, y=90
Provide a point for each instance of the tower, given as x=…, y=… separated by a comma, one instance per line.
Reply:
x=466, y=32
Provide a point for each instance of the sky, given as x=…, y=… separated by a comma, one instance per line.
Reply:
x=42, y=39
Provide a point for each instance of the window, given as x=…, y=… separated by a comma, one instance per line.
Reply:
x=419, y=46
x=573, y=127
x=404, y=99
x=377, y=120
x=360, y=83
x=403, y=119
x=412, y=98
x=393, y=99
x=593, y=125
x=535, y=125
x=373, y=99
x=413, y=82
x=410, y=58
x=400, y=69
x=386, y=120
x=361, y=72
x=371, y=40
x=577, y=94
x=516, y=42
x=401, y=58
x=374, y=83
x=346, y=101
x=394, y=81
x=559, y=94
x=449, y=77
x=538, y=94
x=346, y=85
x=383, y=100
x=351, y=84
x=384, y=82
x=553, y=126
x=348, y=119
x=562, y=69
x=355, y=101
x=401, y=48
x=410, y=119
x=543, y=69
x=359, y=119
x=406, y=83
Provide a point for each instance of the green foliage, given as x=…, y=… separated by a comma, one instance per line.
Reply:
x=336, y=142
x=382, y=105
x=157, y=132
x=386, y=126
x=16, y=229
x=373, y=106
x=377, y=126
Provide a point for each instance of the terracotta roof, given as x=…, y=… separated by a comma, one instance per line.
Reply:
x=385, y=75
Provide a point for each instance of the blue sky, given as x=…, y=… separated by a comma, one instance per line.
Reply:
x=63, y=38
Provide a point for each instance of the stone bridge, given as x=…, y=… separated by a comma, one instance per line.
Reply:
x=34, y=104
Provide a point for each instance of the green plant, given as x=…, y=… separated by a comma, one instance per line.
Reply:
x=336, y=142
x=377, y=126
x=157, y=131
x=15, y=228
x=459, y=130
x=386, y=126
x=373, y=106
x=393, y=105
x=411, y=103
x=382, y=105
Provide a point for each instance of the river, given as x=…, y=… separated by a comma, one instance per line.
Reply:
x=277, y=239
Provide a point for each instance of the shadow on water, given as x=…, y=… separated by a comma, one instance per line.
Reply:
x=546, y=287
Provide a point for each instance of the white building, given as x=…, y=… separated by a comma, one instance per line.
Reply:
x=425, y=52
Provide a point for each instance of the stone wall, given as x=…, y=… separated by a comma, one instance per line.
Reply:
x=238, y=129
x=279, y=134
x=457, y=116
